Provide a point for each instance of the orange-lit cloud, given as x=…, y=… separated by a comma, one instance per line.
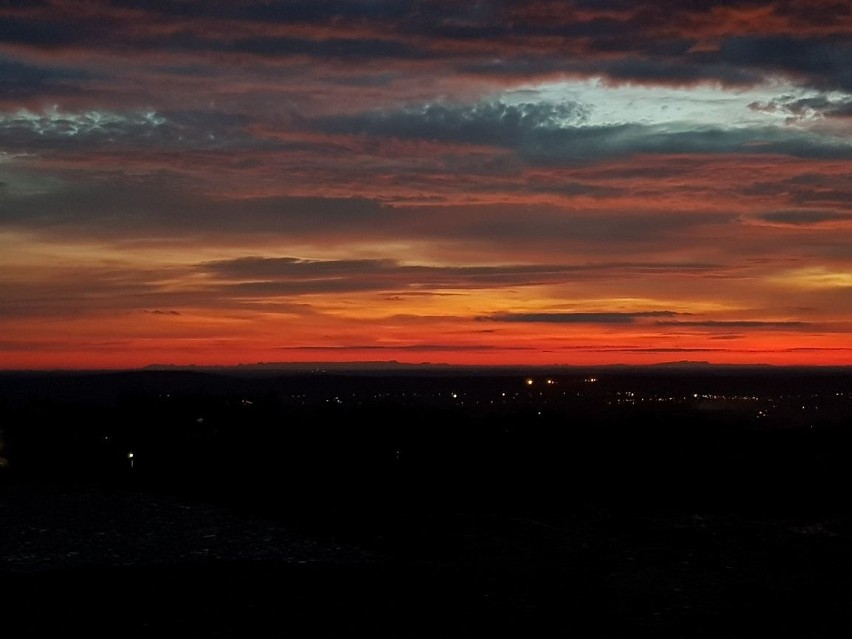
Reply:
x=493, y=182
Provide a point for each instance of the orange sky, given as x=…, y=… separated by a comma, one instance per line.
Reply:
x=469, y=183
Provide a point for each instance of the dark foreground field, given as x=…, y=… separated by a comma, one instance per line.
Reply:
x=79, y=561
x=419, y=519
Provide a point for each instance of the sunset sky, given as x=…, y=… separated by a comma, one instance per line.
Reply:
x=484, y=182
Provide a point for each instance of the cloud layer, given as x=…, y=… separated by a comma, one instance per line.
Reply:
x=489, y=182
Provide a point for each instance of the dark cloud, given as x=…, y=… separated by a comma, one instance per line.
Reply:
x=120, y=207
x=632, y=67
x=452, y=348
x=591, y=143
x=76, y=290
x=347, y=283
x=43, y=32
x=826, y=13
x=735, y=324
x=819, y=62
x=556, y=133
x=831, y=191
x=704, y=349
x=652, y=10
x=494, y=123
x=680, y=71
x=287, y=267
x=798, y=108
x=276, y=11
x=346, y=50
x=188, y=27
x=804, y=218
x=551, y=225
x=636, y=41
x=19, y=80
x=282, y=267
x=578, y=318
x=55, y=129
x=267, y=276
x=519, y=66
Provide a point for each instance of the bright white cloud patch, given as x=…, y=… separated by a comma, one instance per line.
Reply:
x=699, y=106
x=55, y=122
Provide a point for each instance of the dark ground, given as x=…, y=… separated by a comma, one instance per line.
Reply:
x=718, y=530
x=81, y=560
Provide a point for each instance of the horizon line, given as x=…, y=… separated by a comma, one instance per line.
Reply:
x=376, y=365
